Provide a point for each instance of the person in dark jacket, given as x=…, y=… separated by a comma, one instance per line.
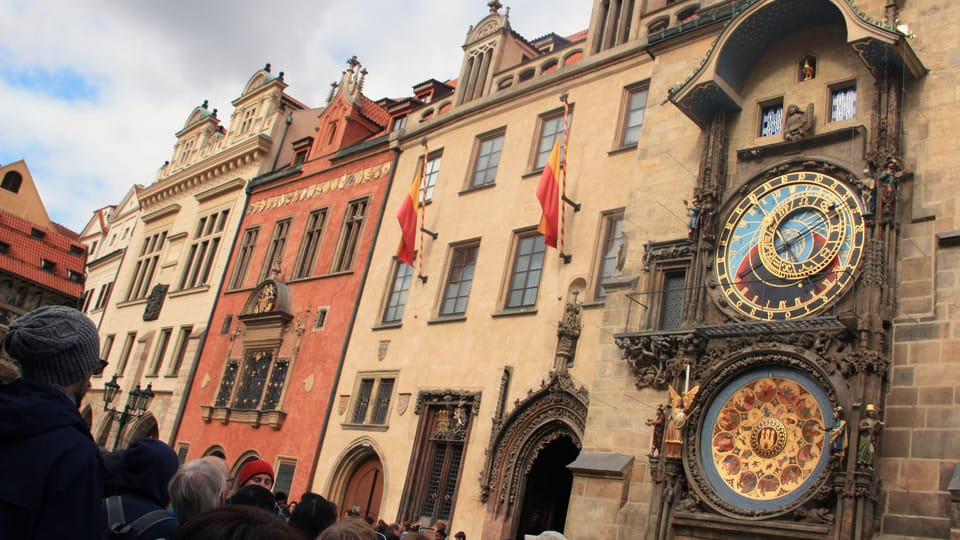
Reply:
x=144, y=472
x=53, y=472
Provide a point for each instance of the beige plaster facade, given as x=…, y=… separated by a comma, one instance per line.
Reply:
x=181, y=228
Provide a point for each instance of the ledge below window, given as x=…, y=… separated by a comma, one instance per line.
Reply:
x=364, y=427
x=255, y=418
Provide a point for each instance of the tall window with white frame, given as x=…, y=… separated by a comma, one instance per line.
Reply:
x=285, y=470
x=527, y=267
x=463, y=262
x=489, y=147
x=397, y=295
x=128, y=344
x=146, y=267
x=180, y=351
x=275, y=250
x=371, y=404
x=635, y=107
x=160, y=352
x=105, y=348
x=430, y=174
x=311, y=243
x=551, y=128
x=203, y=250
x=247, y=246
x=612, y=239
x=350, y=235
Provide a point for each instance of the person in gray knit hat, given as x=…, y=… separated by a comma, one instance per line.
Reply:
x=53, y=471
x=57, y=345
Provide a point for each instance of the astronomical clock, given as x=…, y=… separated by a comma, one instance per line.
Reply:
x=790, y=247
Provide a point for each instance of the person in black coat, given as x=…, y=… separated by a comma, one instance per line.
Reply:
x=53, y=472
x=144, y=471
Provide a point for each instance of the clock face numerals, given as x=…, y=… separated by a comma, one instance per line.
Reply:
x=790, y=246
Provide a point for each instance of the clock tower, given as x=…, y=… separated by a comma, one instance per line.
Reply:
x=780, y=326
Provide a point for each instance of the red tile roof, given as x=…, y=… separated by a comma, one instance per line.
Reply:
x=373, y=111
x=24, y=254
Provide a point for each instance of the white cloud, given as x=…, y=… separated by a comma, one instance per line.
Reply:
x=151, y=63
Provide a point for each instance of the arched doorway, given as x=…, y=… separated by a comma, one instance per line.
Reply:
x=546, y=492
x=528, y=458
x=364, y=488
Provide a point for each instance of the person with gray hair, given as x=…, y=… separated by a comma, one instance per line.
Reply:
x=53, y=471
x=198, y=486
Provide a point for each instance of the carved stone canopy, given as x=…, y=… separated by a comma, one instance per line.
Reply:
x=557, y=409
x=271, y=296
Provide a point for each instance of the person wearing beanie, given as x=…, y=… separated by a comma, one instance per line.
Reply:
x=142, y=478
x=53, y=471
x=254, y=495
x=313, y=515
x=257, y=472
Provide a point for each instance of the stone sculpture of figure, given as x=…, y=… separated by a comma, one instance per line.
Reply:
x=807, y=70
x=266, y=299
x=693, y=211
x=798, y=123
x=838, y=434
x=681, y=406
x=887, y=184
x=869, y=433
x=658, y=424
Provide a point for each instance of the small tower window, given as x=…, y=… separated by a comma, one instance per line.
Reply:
x=11, y=181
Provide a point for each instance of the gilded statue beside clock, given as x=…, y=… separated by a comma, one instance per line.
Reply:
x=790, y=246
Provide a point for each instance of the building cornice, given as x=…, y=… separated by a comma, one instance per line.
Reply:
x=201, y=174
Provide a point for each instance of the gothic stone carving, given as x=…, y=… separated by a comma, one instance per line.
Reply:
x=658, y=359
x=151, y=311
x=557, y=409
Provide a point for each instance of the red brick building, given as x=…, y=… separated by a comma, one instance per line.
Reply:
x=41, y=262
x=263, y=385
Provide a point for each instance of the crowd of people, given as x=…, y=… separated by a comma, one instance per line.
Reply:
x=59, y=484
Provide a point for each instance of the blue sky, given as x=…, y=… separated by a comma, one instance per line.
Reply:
x=93, y=92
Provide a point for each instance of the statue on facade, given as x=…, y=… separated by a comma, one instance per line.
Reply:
x=798, y=123
x=887, y=183
x=680, y=409
x=658, y=424
x=869, y=429
x=838, y=435
x=267, y=298
x=693, y=213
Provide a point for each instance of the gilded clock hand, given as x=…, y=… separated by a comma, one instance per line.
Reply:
x=809, y=228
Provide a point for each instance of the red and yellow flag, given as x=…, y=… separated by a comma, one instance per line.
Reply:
x=548, y=192
x=407, y=216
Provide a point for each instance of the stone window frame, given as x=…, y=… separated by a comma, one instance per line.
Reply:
x=351, y=233
x=203, y=250
x=247, y=248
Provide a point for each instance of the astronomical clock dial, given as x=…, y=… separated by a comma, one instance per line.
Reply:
x=765, y=440
x=790, y=247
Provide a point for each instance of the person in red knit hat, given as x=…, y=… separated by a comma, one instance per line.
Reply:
x=257, y=472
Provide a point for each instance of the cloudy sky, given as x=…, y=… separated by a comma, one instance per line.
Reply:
x=92, y=92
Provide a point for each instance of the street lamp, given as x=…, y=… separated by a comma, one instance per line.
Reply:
x=138, y=401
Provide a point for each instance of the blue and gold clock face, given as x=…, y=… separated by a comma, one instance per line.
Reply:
x=790, y=247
